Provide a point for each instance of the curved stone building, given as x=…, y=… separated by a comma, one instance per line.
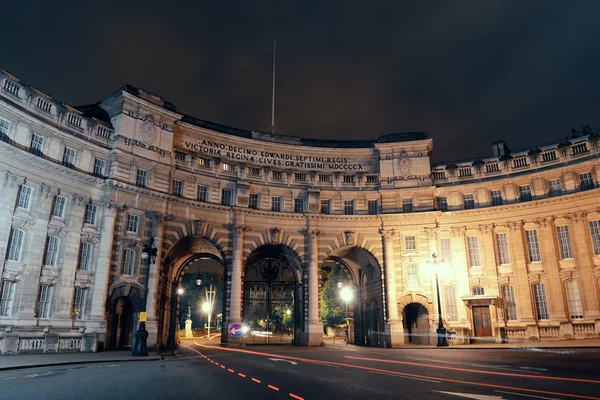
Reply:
x=514, y=238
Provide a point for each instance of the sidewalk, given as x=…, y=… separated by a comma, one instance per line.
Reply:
x=20, y=361
x=556, y=344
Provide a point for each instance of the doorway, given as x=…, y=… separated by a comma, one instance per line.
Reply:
x=416, y=323
x=122, y=324
x=481, y=321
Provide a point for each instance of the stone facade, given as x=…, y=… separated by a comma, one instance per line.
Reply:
x=514, y=239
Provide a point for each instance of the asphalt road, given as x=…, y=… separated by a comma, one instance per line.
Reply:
x=278, y=372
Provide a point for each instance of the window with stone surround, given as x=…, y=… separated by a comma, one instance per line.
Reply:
x=555, y=187
x=407, y=205
x=203, y=193
x=90, y=214
x=450, y=304
x=132, y=223
x=574, y=299
x=348, y=178
x=99, y=167
x=564, y=242
x=300, y=176
x=141, y=178
x=325, y=206
x=129, y=263
x=7, y=293
x=442, y=203
x=253, y=201
x=277, y=175
x=177, y=187
x=227, y=197
x=349, y=207
x=58, y=208
x=412, y=275
x=68, y=159
x=325, y=178
x=503, y=249
x=276, y=203
x=24, y=197
x=228, y=167
x=496, y=197
x=4, y=129
x=446, y=250
x=85, y=256
x=373, y=207
x=541, y=301
x=586, y=181
x=15, y=244
x=510, y=302
x=525, y=192
x=45, y=296
x=469, y=201
x=595, y=232
x=372, y=178
x=51, y=252
x=410, y=243
x=253, y=171
x=79, y=298
x=533, y=246
x=474, y=251
x=203, y=162
x=299, y=205
x=478, y=291
x=37, y=145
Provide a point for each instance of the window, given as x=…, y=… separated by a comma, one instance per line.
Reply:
x=276, y=203
x=348, y=178
x=525, y=192
x=278, y=175
x=69, y=157
x=564, y=242
x=129, y=262
x=90, y=214
x=574, y=299
x=79, y=303
x=412, y=275
x=325, y=206
x=372, y=179
x=253, y=201
x=203, y=162
x=253, y=171
x=85, y=256
x=533, y=246
x=474, y=254
x=478, y=291
x=99, y=167
x=442, y=204
x=349, y=207
x=595, y=231
x=4, y=129
x=132, y=223
x=24, y=197
x=227, y=197
x=446, y=248
x=324, y=178
x=228, y=167
x=407, y=206
x=15, y=243
x=373, y=207
x=44, y=301
x=37, y=145
x=51, y=252
x=586, y=182
x=7, y=293
x=300, y=177
x=299, y=205
x=541, y=301
x=202, y=193
x=496, y=197
x=141, y=178
x=555, y=187
x=410, y=243
x=503, y=253
x=58, y=209
x=469, y=201
x=510, y=303
x=177, y=187
x=450, y=303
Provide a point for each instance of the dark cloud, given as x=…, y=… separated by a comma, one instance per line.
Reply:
x=466, y=72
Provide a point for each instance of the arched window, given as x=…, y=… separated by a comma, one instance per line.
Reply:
x=450, y=303
x=574, y=299
x=15, y=243
x=85, y=256
x=129, y=262
x=412, y=274
x=478, y=291
x=541, y=301
x=510, y=303
x=51, y=254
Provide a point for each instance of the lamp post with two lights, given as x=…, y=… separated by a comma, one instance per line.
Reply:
x=149, y=255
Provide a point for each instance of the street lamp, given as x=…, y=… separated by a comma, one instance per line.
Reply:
x=207, y=307
x=346, y=294
x=149, y=255
x=442, y=341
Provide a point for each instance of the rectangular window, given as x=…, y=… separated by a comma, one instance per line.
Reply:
x=503, y=252
x=373, y=207
x=496, y=197
x=555, y=187
x=177, y=187
x=469, y=201
x=325, y=206
x=99, y=167
x=79, y=303
x=69, y=157
x=85, y=256
x=278, y=175
x=574, y=299
x=525, y=192
x=90, y=214
x=141, y=178
x=15, y=243
x=7, y=293
x=474, y=253
x=349, y=207
x=348, y=178
x=202, y=193
x=407, y=205
x=299, y=205
x=510, y=303
x=412, y=275
x=253, y=171
x=372, y=179
x=442, y=204
x=227, y=197
x=4, y=129
x=228, y=167
x=564, y=242
x=446, y=248
x=541, y=301
x=586, y=182
x=51, y=253
x=276, y=203
x=44, y=301
x=24, y=197
x=203, y=162
x=253, y=201
x=595, y=231
x=37, y=145
x=58, y=209
x=410, y=244
x=533, y=246
x=325, y=178
x=300, y=177
x=132, y=223
x=450, y=303
x=129, y=262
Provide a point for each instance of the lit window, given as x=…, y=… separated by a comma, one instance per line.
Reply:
x=24, y=196
x=132, y=223
x=595, y=231
x=177, y=187
x=79, y=303
x=450, y=303
x=474, y=254
x=7, y=293
x=276, y=203
x=253, y=201
x=446, y=248
x=525, y=192
x=541, y=301
x=510, y=303
x=564, y=241
x=373, y=207
x=51, y=252
x=90, y=214
x=496, y=197
x=349, y=207
x=44, y=301
x=410, y=243
x=15, y=243
x=141, y=178
x=533, y=246
x=503, y=252
x=228, y=167
x=129, y=262
x=69, y=157
x=58, y=209
x=299, y=205
x=203, y=162
x=85, y=256
x=574, y=299
x=227, y=197
x=469, y=201
x=202, y=193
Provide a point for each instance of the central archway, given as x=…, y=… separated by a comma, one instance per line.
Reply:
x=416, y=323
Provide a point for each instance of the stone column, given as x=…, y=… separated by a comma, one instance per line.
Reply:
x=235, y=299
x=393, y=325
x=520, y=259
x=459, y=261
x=315, y=328
x=153, y=279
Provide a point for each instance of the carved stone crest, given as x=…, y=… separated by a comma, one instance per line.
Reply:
x=349, y=238
x=403, y=165
x=148, y=132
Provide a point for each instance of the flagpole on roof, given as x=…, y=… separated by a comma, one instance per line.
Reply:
x=273, y=96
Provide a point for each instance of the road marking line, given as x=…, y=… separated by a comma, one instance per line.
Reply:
x=242, y=375
x=12, y=377
x=256, y=380
x=527, y=395
x=275, y=388
x=407, y=377
x=222, y=366
x=230, y=370
x=503, y=368
x=292, y=370
x=327, y=365
x=269, y=364
x=296, y=397
x=324, y=379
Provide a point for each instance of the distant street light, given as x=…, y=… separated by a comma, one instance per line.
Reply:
x=207, y=307
x=180, y=291
x=346, y=294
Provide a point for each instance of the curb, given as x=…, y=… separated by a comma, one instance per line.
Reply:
x=59, y=363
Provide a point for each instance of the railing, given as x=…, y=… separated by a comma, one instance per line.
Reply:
x=493, y=167
x=520, y=162
x=438, y=175
x=12, y=87
x=44, y=105
x=104, y=132
x=465, y=171
x=69, y=344
x=516, y=334
x=31, y=345
x=74, y=120
x=180, y=156
x=579, y=148
x=548, y=156
x=584, y=329
x=550, y=331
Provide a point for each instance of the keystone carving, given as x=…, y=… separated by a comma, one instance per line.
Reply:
x=596, y=271
x=538, y=276
x=197, y=227
x=275, y=234
x=93, y=238
x=431, y=233
x=349, y=235
x=45, y=191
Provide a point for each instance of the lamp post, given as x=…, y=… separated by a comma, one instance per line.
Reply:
x=442, y=341
x=208, y=306
x=346, y=295
x=149, y=254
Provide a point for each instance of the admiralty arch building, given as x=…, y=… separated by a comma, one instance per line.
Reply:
x=509, y=243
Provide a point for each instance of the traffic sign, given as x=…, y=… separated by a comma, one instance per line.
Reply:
x=235, y=330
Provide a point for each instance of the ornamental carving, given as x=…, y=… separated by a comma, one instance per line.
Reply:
x=59, y=231
x=576, y=216
x=506, y=279
x=239, y=229
x=12, y=180
x=431, y=233
x=93, y=238
x=569, y=274
x=349, y=235
x=314, y=234
x=478, y=281
x=458, y=230
x=45, y=191
x=387, y=233
x=537, y=276
x=544, y=221
x=275, y=235
x=596, y=271
x=24, y=222
x=403, y=165
x=77, y=199
x=515, y=225
x=197, y=227
x=485, y=228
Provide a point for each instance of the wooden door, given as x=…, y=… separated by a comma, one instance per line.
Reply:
x=481, y=321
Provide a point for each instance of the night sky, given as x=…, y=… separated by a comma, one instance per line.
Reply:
x=465, y=72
